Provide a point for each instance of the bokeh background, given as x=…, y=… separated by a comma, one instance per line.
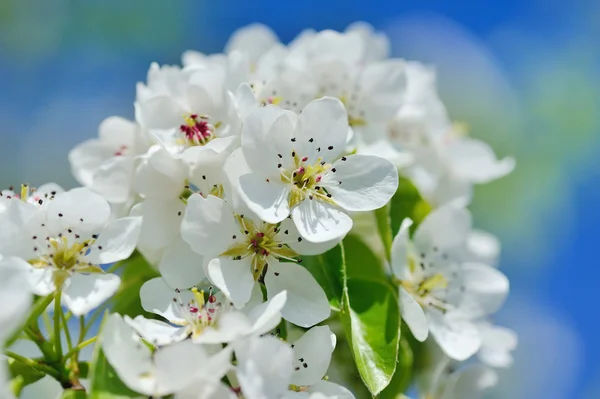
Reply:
x=523, y=74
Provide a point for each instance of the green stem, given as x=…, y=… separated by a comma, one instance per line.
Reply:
x=67, y=332
x=38, y=308
x=80, y=347
x=33, y=364
x=384, y=226
x=57, y=322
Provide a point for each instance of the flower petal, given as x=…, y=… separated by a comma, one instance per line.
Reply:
x=79, y=209
x=485, y=290
x=267, y=316
x=157, y=297
x=268, y=199
x=233, y=277
x=446, y=228
x=320, y=222
x=180, y=266
x=306, y=303
x=14, y=293
x=312, y=354
x=459, y=339
x=116, y=242
x=289, y=233
x=161, y=112
x=362, y=182
x=84, y=292
x=209, y=226
x=400, y=250
x=156, y=331
x=413, y=315
x=330, y=390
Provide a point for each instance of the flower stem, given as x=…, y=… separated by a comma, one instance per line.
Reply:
x=80, y=347
x=57, y=323
x=33, y=364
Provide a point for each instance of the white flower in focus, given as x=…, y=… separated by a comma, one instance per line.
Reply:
x=36, y=196
x=207, y=319
x=298, y=169
x=438, y=293
x=106, y=164
x=66, y=242
x=16, y=297
x=187, y=108
x=168, y=370
x=241, y=251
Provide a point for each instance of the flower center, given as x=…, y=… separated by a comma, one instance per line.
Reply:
x=200, y=312
x=28, y=194
x=63, y=257
x=197, y=130
x=260, y=242
x=428, y=289
x=305, y=179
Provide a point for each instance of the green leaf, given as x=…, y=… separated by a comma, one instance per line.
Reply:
x=407, y=202
x=361, y=262
x=403, y=375
x=135, y=272
x=105, y=381
x=371, y=320
x=326, y=269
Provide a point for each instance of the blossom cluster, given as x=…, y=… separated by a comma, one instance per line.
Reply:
x=239, y=167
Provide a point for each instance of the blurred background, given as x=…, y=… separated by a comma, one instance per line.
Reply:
x=523, y=74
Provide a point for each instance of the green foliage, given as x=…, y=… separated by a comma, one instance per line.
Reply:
x=22, y=375
x=407, y=202
x=135, y=272
x=403, y=375
x=74, y=394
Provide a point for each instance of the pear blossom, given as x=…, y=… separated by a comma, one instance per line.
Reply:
x=267, y=368
x=185, y=108
x=438, y=293
x=298, y=169
x=66, y=242
x=168, y=370
x=497, y=343
x=205, y=318
x=106, y=164
x=241, y=251
x=14, y=290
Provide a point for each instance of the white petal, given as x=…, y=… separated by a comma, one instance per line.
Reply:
x=264, y=367
x=472, y=382
x=367, y=182
x=14, y=293
x=497, y=345
x=475, y=161
x=459, y=339
x=86, y=158
x=113, y=179
x=485, y=290
x=157, y=297
x=320, y=222
x=268, y=199
x=314, y=350
x=47, y=387
x=130, y=358
x=331, y=390
x=446, y=228
x=483, y=247
x=177, y=364
x=84, y=292
x=205, y=388
x=289, y=233
x=325, y=121
x=233, y=277
x=231, y=326
x=117, y=131
x=400, y=250
x=79, y=209
x=161, y=222
x=41, y=281
x=209, y=225
x=267, y=316
x=156, y=331
x=180, y=266
x=161, y=112
x=256, y=39
x=306, y=303
x=116, y=242
x=413, y=315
